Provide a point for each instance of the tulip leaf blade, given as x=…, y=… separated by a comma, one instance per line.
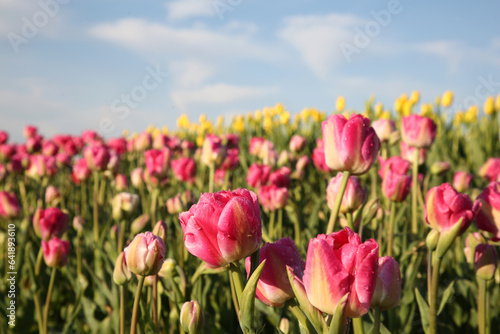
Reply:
x=337, y=326
x=424, y=311
x=247, y=301
x=447, y=294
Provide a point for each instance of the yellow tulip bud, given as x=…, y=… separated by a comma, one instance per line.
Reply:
x=415, y=96
x=489, y=106
x=183, y=121
x=379, y=107
x=447, y=98
x=340, y=105
x=164, y=130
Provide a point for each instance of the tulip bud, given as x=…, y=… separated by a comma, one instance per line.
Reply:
x=384, y=128
x=160, y=229
x=139, y=223
x=354, y=195
x=418, y=131
x=387, y=292
x=136, y=177
x=50, y=222
x=213, y=152
x=192, y=318
x=280, y=177
x=297, y=143
x=78, y=223
x=485, y=261
x=157, y=162
x=121, y=273
x=124, y=204
x=258, y=175
x=145, y=254
x=461, y=181
x=52, y=196
x=284, y=325
x=432, y=240
x=167, y=268
x=9, y=206
x=440, y=167
x=473, y=239
x=371, y=209
x=121, y=183
x=55, y=252
x=174, y=205
x=447, y=98
x=490, y=169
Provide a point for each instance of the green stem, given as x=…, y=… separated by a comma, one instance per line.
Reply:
x=96, y=207
x=357, y=325
x=434, y=294
x=272, y=217
x=38, y=311
x=338, y=202
x=47, y=301
x=135, y=310
x=38, y=264
x=154, y=203
x=300, y=316
x=122, y=310
x=280, y=223
x=414, y=203
x=78, y=255
x=391, y=228
x=211, y=178
x=376, y=321
x=349, y=221
x=121, y=233
x=234, y=269
x=155, y=301
x=481, y=306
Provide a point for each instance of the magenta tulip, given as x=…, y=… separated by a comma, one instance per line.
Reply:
x=418, y=131
x=280, y=177
x=97, y=157
x=51, y=222
x=55, y=252
x=272, y=197
x=490, y=170
x=350, y=145
x=223, y=227
x=488, y=217
x=388, y=289
x=485, y=261
x=157, y=162
x=461, y=181
x=184, y=169
x=258, y=175
x=9, y=206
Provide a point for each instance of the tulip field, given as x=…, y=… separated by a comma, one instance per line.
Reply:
x=381, y=220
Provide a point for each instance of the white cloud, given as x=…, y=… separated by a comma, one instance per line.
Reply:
x=189, y=73
x=220, y=93
x=154, y=38
x=317, y=39
x=185, y=9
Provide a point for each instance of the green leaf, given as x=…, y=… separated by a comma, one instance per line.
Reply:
x=424, y=311
x=247, y=305
x=447, y=293
x=337, y=326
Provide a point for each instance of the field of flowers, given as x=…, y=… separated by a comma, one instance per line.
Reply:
x=368, y=221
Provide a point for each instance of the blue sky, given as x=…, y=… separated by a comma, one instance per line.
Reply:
x=110, y=65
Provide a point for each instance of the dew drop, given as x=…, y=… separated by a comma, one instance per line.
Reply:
x=366, y=288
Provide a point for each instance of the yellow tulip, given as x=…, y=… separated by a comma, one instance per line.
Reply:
x=385, y=114
x=285, y=118
x=471, y=114
x=125, y=133
x=415, y=96
x=447, y=98
x=239, y=124
x=268, y=123
x=150, y=128
x=156, y=132
x=497, y=103
x=183, y=122
x=258, y=116
x=379, y=107
x=407, y=107
x=199, y=140
x=489, y=105
x=340, y=104
x=164, y=130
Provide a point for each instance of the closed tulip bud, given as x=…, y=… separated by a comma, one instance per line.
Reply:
x=232, y=160
x=192, y=318
x=350, y=145
x=461, y=181
x=114, y=231
x=258, y=175
x=184, y=169
x=174, y=205
x=148, y=280
x=121, y=183
x=318, y=158
x=52, y=196
x=418, y=131
x=284, y=325
x=143, y=142
x=223, y=227
x=81, y=171
x=139, y=223
x=338, y=264
x=145, y=254
x=340, y=104
x=55, y=252
x=273, y=198
x=121, y=273
x=408, y=153
x=4, y=137
x=49, y=223
x=49, y=148
x=396, y=186
x=491, y=169
x=168, y=268
x=280, y=177
x=284, y=158
x=432, y=240
x=384, y=128
x=387, y=292
x=136, y=177
x=488, y=217
x=489, y=105
x=354, y=195
x=160, y=229
x=97, y=157
x=157, y=162
x=297, y=143
x=440, y=167
x=473, y=239
x=273, y=287
x=447, y=98
x=124, y=204
x=302, y=163
x=78, y=223
x=9, y=206
x=485, y=261
x=371, y=209
x=255, y=145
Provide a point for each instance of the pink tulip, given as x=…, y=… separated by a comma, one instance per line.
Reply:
x=121, y=182
x=485, y=261
x=97, y=157
x=232, y=160
x=396, y=186
x=49, y=148
x=387, y=292
x=223, y=227
x=6, y=151
x=354, y=195
x=418, y=131
x=55, y=252
x=34, y=144
x=30, y=131
x=118, y=145
x=143, y=142
x=274, y=288
x=461, y=181
x=90, y=136
x=136, y=177
x=473, y=239
x=4, y=137
x=63, y=159
x=81, y=171
x=384, y=128
x=256, y=145
x=444, y=207
x=145, y=254
x=157, y=162
x=350, y=145
x=52, y=195
x=219, y=177
x=396, y=164
x=280, y=177
x=338, y=264
x=272, y=197
x=160, y=141
x=318, y=158
x=297, y=143
x=488, y=217
x=408, y=153
x=51, y=222
x=41, y=166
x=258, y=175
x=491, y=169
x=213, y=151
x=9, y=206
x=184, y=169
